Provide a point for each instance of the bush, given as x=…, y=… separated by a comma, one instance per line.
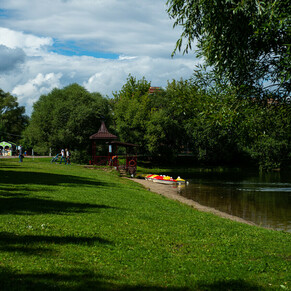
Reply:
x=80, y=157
x=269, y=152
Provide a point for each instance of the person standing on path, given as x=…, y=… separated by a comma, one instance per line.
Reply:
x=68, y=155
x=63, y=156
x=20, y=154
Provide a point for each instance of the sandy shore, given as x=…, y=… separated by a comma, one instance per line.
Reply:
x=172, y=193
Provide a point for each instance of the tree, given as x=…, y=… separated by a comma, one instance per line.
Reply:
x=264, y=133
x=230, y=128
x=205, y=116
x=12, y=116
x=213, y=129
x=66, y=118
x=247, y=41
x=131, y=110
x=155, y=121
x=171, y=110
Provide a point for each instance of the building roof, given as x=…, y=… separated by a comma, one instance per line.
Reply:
x=103, y=133
x=153, y=90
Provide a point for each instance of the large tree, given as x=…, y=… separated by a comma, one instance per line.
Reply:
x=239, y=129
x=172, y=109
x=66, y=118
x=247, y=41
x=205, y=116
x=12, y=118
x=131, y=110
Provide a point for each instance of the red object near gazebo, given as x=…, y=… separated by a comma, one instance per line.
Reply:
x=105, y=151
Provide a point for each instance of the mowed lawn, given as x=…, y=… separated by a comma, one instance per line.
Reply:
x=72, y=228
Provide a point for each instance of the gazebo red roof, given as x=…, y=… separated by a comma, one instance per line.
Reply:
x=103, y=133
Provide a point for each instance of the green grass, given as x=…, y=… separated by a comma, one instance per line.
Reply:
x=71, y=228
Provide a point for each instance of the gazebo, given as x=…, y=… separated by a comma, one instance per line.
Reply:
x=106, y=151
x=7, y=148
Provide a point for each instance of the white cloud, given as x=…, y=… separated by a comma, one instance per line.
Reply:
x=29, y=92
x=30, y=44
x=121, y=58
x=34, y=34
x=112, y=75
x=126, y=27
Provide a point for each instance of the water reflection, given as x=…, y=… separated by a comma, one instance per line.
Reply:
x=263, y=199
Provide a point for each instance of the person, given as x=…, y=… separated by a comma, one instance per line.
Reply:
x=63, y=156
x=112, y=160
x=68, y=155
x=20, y=154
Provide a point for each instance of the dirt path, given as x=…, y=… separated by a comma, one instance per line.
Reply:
x=172, y=193
x=30, y=157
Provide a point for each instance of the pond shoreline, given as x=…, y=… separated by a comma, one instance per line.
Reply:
x=172, y=193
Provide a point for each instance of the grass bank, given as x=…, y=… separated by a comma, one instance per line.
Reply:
x=71, y=228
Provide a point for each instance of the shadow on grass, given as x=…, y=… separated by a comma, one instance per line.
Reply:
x=8, y=238
x=80, y=279
x=8, y=167
x=38, y=178
x=72, y=280
x=231, y=285
x=34, y=244
x=17, y=192
x=28, y=206
x=12, y=201
x=11, y=193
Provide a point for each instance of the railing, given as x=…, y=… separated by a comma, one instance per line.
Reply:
x=105, y=161
x=128, y=163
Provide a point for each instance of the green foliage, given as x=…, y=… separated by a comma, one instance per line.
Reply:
x=247, y=41
x=80, y=157
x=66, y=118
x=204, y=115
x=154, y=121
x=213, y=129
x=71, y=228
x=269, y=152
x=12, y=118
x=265, y=133
x=171, y=111
x=131, y=110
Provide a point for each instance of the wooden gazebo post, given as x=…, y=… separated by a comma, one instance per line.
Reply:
x=111, y=158
x=130, y=156
x=103, y=136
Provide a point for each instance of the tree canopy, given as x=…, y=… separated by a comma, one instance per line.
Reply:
x=247, y=41
x=65, y=118
x=12, y=118
x=202, y=117
x=131, y=110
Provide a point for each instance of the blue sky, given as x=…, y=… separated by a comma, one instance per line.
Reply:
x=97, y=44
x=72, y=48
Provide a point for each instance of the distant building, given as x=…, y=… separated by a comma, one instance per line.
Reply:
x=269, y=101
x=152, y=90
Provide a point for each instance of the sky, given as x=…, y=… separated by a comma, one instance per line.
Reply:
x=95, y=43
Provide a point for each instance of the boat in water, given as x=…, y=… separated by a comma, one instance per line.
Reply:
x=162, y=179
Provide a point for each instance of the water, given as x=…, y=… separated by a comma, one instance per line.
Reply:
x=264, y=199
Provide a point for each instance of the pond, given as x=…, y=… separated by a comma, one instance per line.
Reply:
x=264, y=199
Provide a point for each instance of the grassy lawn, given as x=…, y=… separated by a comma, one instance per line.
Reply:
x=71, y=228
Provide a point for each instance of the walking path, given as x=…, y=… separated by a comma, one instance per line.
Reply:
x=30, y=157
x=170, y=192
